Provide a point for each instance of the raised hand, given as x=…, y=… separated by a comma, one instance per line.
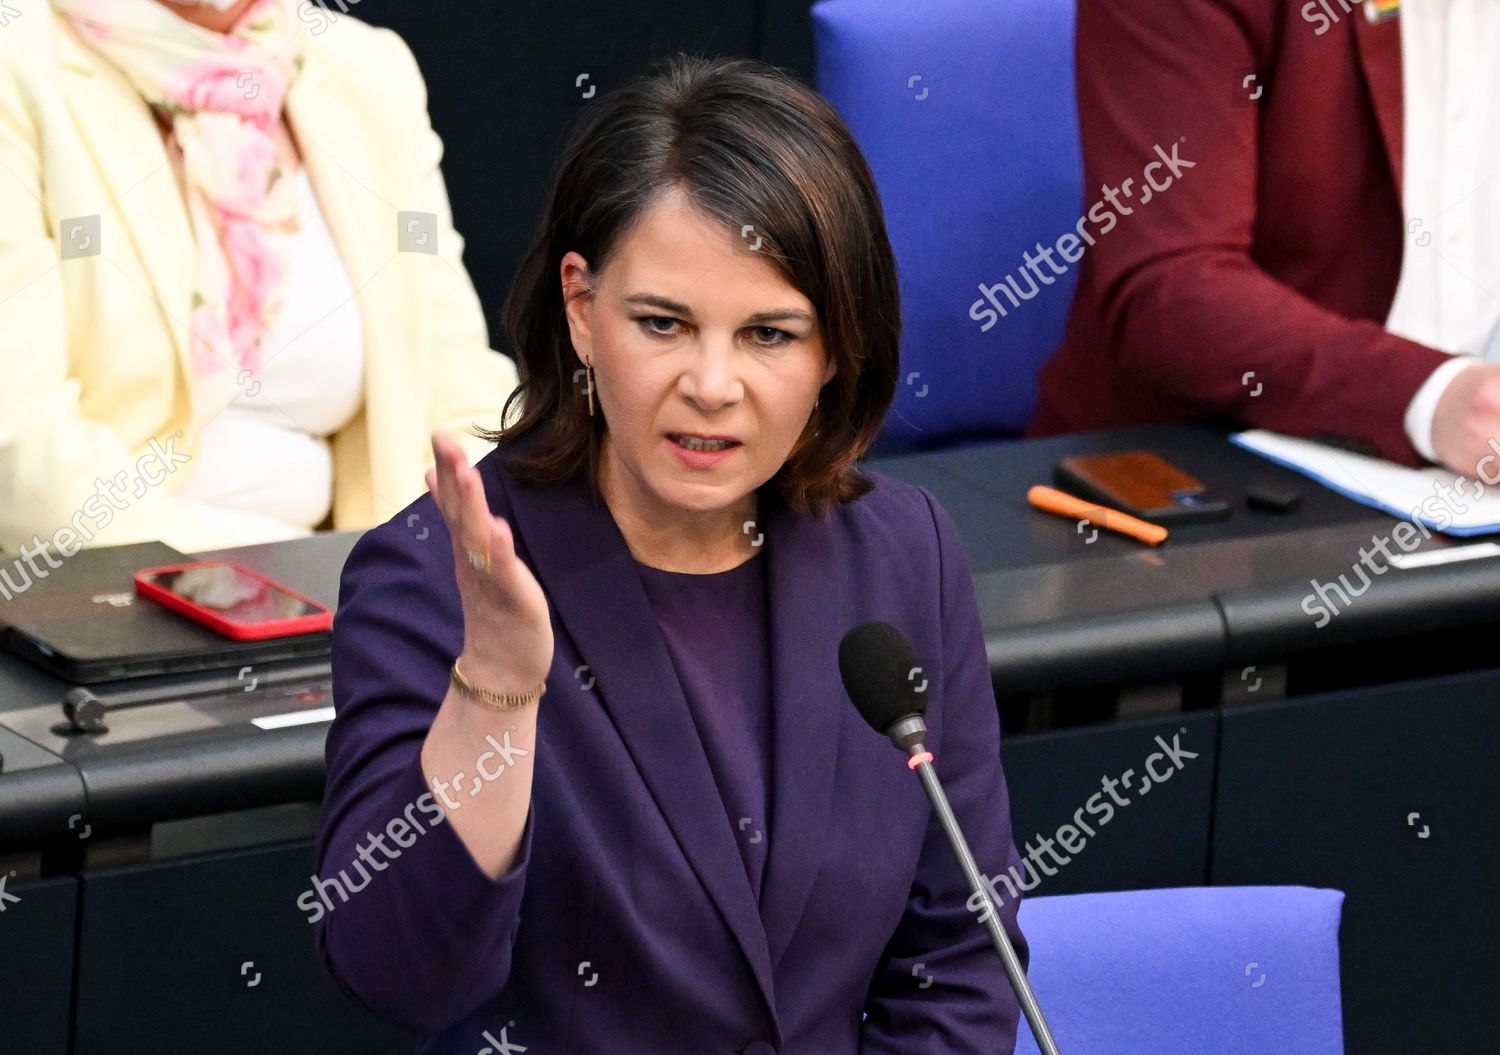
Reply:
x=507, y=627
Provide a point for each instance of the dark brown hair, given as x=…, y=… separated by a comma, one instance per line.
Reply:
x=747, y=144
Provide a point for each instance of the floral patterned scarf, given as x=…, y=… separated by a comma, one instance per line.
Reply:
x=223, y=93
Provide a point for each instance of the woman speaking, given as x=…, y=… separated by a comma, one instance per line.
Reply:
x=693, y=843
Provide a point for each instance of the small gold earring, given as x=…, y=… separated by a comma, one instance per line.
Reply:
x=590, y=381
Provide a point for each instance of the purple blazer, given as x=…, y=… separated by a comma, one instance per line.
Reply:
x=626, y=923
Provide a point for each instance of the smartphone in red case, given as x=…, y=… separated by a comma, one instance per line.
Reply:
x=233, y=600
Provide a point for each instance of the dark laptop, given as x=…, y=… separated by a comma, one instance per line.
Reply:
x=84, y=622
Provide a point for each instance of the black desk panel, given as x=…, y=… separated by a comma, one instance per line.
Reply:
x=1141, y=840
x=36, y=965
x=186, y=757
x=39, y=794
x=1288, y=617
x=1388, y=794
x=212, y=954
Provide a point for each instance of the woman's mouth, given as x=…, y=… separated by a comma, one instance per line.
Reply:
x=695, y=452
x=695, y=443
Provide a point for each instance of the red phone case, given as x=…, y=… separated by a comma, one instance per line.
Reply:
x=313, y=622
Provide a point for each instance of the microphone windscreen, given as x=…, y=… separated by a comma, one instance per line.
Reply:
x=876, y=663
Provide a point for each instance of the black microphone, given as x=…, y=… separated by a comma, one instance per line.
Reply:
x=882, y=675
x=887, y=683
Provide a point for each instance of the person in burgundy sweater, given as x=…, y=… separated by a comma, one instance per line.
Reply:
x=1258, y=290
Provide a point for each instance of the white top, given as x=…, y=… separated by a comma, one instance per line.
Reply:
x=265, y=467
x=1449, y=293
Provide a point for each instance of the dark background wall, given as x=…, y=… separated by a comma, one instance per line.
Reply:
x=503, y=92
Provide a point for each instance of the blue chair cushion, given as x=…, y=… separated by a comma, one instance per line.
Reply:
x=1192, y=971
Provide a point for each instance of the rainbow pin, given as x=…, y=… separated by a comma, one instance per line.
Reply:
x=1378, y=11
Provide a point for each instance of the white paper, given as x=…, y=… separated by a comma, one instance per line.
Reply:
x=1439, y=498
x=1446, y=555
x=291, y=718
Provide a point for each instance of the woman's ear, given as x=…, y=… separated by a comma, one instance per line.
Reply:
x=578, y=290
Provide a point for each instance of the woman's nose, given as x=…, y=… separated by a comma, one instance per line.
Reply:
x=711, y=381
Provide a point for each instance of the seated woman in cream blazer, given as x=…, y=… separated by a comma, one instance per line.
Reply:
x=232, y=302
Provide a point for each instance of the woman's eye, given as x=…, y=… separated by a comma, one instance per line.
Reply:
x=770, y=336
x=658, y=325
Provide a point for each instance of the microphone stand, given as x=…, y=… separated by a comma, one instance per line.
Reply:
x=907, y=734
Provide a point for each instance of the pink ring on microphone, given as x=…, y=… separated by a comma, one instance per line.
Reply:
x=917, y=759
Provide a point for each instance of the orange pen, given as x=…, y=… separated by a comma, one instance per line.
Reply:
x=1051, y=500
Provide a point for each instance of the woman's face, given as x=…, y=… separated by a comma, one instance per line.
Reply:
x=219, y=17
x=690, y=331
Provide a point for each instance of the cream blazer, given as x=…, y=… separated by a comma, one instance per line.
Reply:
x=95, y=382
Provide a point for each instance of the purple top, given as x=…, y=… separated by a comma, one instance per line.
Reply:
x=715, y=630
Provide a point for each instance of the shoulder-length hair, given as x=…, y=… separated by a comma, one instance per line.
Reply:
x=752, y=147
